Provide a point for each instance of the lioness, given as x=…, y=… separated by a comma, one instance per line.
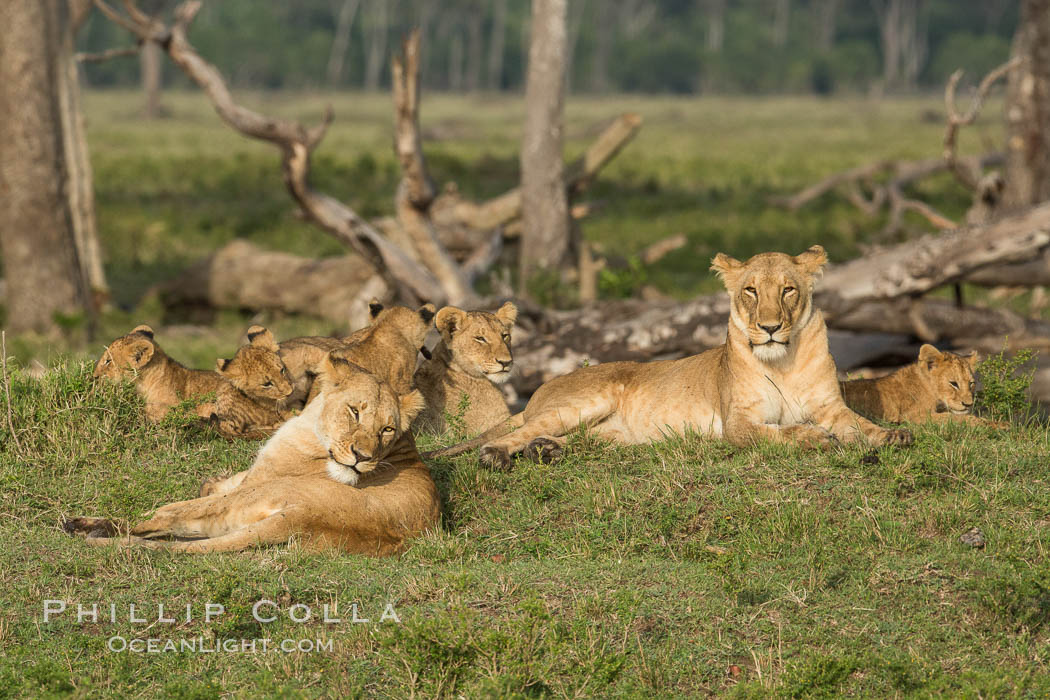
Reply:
x=773, y=378
x=317, y=478
x=938, y=387
x=160, y=380
x=472, y=358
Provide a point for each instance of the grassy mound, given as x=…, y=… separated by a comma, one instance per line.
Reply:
x=680, y=568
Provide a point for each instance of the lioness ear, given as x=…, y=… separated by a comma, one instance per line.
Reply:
x=929, y=355
x=426, y=312
x=507, y=314
x=221, y=365
x=260, y=337
x=449, y=319
x=144, y=330
x=813, y=260
x=411, y=405
x=972, y=358
x=374, y=307
x=726, y=268
x=141, y=353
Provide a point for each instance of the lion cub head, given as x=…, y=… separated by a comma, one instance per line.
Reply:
x=257, y=368
x=361, y=418
x=770, y=297
x=127, y=355
x=949, y=377
x=479, y=341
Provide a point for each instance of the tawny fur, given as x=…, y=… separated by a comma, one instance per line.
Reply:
x=775, y=383
x=467, y=365
x=292, y=490
x=160, y=380
x=937, y=387
x=249, y=403
x=391, y=344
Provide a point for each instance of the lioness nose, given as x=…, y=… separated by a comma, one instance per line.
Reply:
x=361, y=456
x=505, y=363
x=770, y=329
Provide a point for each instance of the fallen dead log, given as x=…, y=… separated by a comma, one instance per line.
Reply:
x=920, y=265
x=1030, y=273
x=241, y=276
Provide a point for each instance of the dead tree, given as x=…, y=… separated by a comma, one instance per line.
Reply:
x=1027, y=179
x=45, y=276
x=545, y=238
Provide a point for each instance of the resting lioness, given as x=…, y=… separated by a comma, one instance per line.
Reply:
x=939, y=387
x=160, y=380
x=471, y=359
x=300, y=484
x=248, y=403
x=773, y=378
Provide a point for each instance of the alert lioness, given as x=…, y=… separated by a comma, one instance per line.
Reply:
x=773, y=378
x=317, y=478
x=938, y=387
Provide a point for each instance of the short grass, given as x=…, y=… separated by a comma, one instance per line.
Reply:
x=682, y=568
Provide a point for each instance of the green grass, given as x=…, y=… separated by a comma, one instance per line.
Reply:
x=682, y=568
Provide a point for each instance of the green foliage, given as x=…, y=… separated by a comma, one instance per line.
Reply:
x=622, y=283
x=1005, y=382
x=683, y=568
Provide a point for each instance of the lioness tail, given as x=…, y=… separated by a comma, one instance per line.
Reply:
x=512, y=423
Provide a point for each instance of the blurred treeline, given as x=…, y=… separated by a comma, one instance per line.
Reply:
x=656, y=46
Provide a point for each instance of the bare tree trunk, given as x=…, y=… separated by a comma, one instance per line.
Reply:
x=497, y=41
x=150, y=72
x=1028, y=110
x=545, y=237
x=44, y=275
x=81, y=184
x=475, y=48
x=455, y=61
x=826, y=15
x=903, y=33
x=341, y=41
x=781, y=22
x=378, y=27
x=605, y=31
x=716, y=25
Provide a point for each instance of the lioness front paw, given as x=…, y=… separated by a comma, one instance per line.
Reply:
x=91, y=527
x=496, y=458
x=899, y=436
x=543, y=450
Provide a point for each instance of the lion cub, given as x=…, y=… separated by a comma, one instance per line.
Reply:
x=256, y=380
x=472, y=358
x=938, y=387
x=160, y=380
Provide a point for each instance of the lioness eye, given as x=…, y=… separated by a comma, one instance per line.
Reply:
x=480, y=339
x=506, y=337
x=788, y=290
x=971, y=385
x=353, y=412
x=267, y=384
x=388, y=429
x=953, y=385
x=750, y=290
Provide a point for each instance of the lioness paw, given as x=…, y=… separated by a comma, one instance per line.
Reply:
x=543, y=450
x=901, y=436
x=90, y=527
x=496, y=458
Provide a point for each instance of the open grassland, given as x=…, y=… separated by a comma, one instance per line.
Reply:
x=171, y=191
x=682, y=568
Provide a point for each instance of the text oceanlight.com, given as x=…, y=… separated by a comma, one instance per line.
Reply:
x=262, y=611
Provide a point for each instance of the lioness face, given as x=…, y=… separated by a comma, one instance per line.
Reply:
x=126, y=355
x=951, y=377
x=770, y=297
x=361, y=419
x=479, y=341
x=257, y=368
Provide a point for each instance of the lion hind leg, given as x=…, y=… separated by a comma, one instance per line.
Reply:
x=275, y=529
x=210, y=516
